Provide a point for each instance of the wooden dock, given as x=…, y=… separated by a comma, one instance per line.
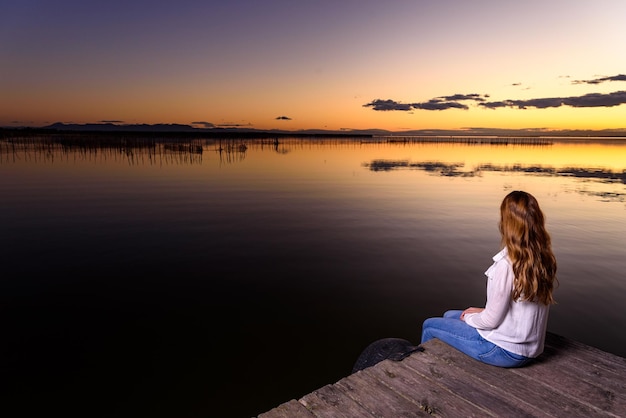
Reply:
x=569, y=379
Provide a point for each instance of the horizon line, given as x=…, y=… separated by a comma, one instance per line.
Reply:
x=189, y=128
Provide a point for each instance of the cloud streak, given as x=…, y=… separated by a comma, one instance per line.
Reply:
x=458, y=101
x=588, y=100
x=437, y=103
x=619, y=77
x=203, y=124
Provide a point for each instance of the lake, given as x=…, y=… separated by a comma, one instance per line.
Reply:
x=221, y=277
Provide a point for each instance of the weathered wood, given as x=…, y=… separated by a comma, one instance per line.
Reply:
x=612, y=379
x=290, y=409
x=518, y=388
x=569, y=379
x=573, y=349
x=490, y=394
x=332, y=401
x=581, y=387
x=433, y=398
x=379, y=399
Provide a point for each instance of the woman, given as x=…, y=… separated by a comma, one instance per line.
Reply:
x=510, y=330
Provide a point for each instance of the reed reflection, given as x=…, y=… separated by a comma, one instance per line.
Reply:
x=457, y=170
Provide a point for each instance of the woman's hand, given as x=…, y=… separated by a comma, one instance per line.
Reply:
x=471, y=310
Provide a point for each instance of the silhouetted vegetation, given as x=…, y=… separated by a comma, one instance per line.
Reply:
x=167, y=134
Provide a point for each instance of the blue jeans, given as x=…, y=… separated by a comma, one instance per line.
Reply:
x=455, y=332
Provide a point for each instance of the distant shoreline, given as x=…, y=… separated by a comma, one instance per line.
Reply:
x=183, y=134
x=188, y=131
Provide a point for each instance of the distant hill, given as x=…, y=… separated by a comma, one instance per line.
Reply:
x=181, y=128
x=162, y=127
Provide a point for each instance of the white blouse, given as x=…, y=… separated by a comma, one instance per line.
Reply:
x=518, y=327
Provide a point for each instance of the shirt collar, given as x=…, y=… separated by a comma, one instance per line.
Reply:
x=502, y=254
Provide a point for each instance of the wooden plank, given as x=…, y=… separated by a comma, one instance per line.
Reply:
x=611, y=380
x=289, y=409
x=574, y=386
x=463, y=382
x=519, y=388
x=591, y=376
x=332, y=401
x=569, y=379
x=378, y=399
x=428, y=395
x=575, y=349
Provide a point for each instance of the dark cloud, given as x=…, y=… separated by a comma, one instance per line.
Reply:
x=523, y=104
x=597, y=100
x=388, y=104
x=588, y=100
x=455, y=101
x=203, y=124
x=495, y=105
x=619, y=77
x=438, y=103
x=283, y=118
x=457, y=97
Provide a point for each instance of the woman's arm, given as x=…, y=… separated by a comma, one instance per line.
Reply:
x=471, y=310
x=499, y=287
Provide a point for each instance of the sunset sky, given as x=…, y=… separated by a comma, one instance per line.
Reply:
x=340, y=64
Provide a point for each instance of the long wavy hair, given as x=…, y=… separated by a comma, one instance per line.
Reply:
x=522, y=226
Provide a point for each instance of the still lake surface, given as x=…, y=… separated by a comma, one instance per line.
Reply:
x=160, y=278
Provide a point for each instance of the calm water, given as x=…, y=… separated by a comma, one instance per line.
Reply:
x=155, y=280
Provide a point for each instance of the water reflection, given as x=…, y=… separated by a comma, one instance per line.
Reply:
x=176, y=274
x=592, y=160
x=457, y=170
